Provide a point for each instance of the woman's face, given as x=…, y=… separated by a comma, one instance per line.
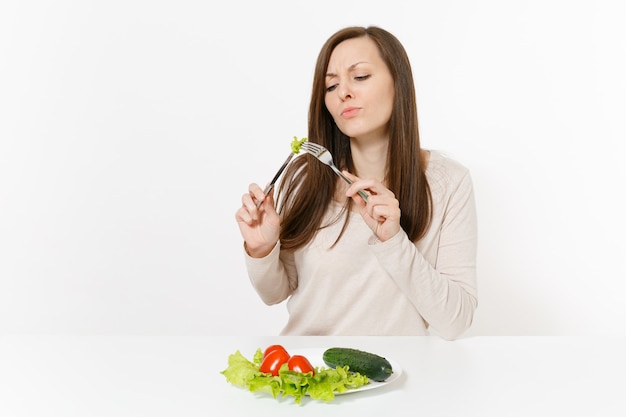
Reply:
x=359, y=89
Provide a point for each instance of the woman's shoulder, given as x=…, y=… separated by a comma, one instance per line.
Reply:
x=445, y=170
x=440, y=161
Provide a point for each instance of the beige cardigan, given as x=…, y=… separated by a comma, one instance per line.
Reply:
x=366, y=287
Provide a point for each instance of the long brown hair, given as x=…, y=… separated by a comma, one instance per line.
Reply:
x=308, y=186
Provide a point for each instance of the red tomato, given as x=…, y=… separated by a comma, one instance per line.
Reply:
x=301, y=364
x=272, y=348
x=273, y=361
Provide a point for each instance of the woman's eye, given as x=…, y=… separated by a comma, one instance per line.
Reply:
x=362, y=77
x=331, y=88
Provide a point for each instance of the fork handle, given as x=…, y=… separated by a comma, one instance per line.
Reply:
x=362, y=193
x=271, y=184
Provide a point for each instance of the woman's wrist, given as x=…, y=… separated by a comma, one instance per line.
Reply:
x=259, y=251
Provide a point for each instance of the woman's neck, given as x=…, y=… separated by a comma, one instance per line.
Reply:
x=369, y=158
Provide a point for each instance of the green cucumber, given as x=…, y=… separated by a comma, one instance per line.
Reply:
x=373, y=366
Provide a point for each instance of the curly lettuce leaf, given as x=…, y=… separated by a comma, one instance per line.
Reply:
x=296, y=144
x=329, y=381
x=240, y=370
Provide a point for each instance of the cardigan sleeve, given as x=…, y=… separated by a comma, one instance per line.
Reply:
x=444, y=294
x=274, y=277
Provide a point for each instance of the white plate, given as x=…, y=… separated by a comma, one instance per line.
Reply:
x=315, y=356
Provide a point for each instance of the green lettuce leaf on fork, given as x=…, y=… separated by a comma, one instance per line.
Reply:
x=296, y=144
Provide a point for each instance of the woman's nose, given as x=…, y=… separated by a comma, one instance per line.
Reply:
x=344, y=92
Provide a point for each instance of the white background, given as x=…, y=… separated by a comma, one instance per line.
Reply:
x=130, y=129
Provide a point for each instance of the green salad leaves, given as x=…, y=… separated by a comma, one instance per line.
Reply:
x=296, y=143
x=323, y=385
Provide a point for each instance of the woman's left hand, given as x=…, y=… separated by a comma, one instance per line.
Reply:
x=381, y=211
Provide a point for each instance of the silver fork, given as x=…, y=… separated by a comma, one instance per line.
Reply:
x=324, y=156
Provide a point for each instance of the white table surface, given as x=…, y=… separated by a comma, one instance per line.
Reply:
x=155, y=376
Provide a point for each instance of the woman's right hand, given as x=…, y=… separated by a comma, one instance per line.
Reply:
x=259, y=226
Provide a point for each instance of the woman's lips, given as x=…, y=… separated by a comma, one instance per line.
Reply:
x=349, y=112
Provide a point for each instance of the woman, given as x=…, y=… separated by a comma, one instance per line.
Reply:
x=401, y=263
